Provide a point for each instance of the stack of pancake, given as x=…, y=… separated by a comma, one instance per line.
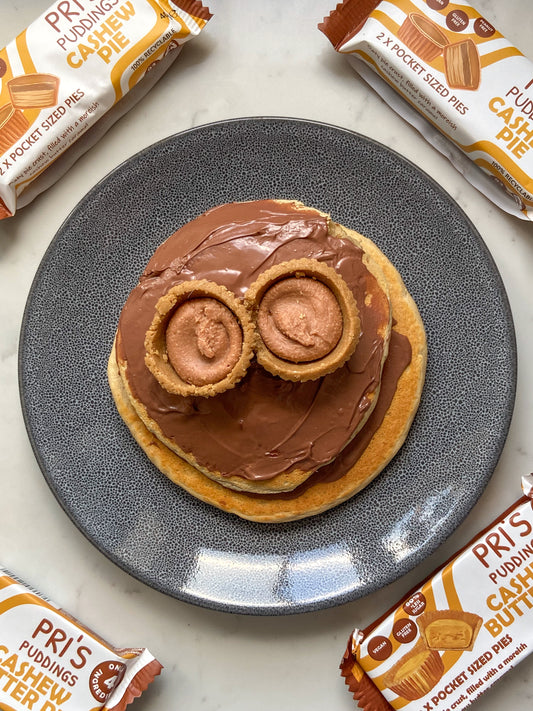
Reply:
x=282, y=439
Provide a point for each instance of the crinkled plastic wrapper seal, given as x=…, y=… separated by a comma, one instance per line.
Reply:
x=50, y=662
x=67, y=78
x=447, y=71
x=451, y=638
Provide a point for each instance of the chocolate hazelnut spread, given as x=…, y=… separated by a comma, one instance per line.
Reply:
x=265, y=425
x=397, y=361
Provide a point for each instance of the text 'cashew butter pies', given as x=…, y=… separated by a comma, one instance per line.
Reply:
x=269, y=361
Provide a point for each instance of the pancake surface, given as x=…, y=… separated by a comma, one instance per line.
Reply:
x=269, y=450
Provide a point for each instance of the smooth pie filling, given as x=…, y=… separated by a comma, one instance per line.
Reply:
x=449, y=634
x=300, y=320
x=204, y=341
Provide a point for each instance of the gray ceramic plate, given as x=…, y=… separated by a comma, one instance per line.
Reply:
x=160, y=534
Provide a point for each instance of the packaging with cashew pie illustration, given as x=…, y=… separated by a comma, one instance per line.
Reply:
x=50, y=662
x=454, y=636
x=447, y=70
x=72, y=73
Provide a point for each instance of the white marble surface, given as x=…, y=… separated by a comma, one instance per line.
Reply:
x=254, y=58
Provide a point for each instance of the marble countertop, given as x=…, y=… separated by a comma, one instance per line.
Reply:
x=253, y=59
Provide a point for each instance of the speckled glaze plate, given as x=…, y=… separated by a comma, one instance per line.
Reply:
x=157, y=532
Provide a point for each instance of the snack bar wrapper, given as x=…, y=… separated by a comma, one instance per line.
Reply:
x=453, y=637
x=50, y=662
x=71, y=74
x=450, y=639
x=445, y=69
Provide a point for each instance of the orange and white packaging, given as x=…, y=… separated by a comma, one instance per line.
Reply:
x=446, y=70
x=72, y=73
x=450, y=639
x=50, y=662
